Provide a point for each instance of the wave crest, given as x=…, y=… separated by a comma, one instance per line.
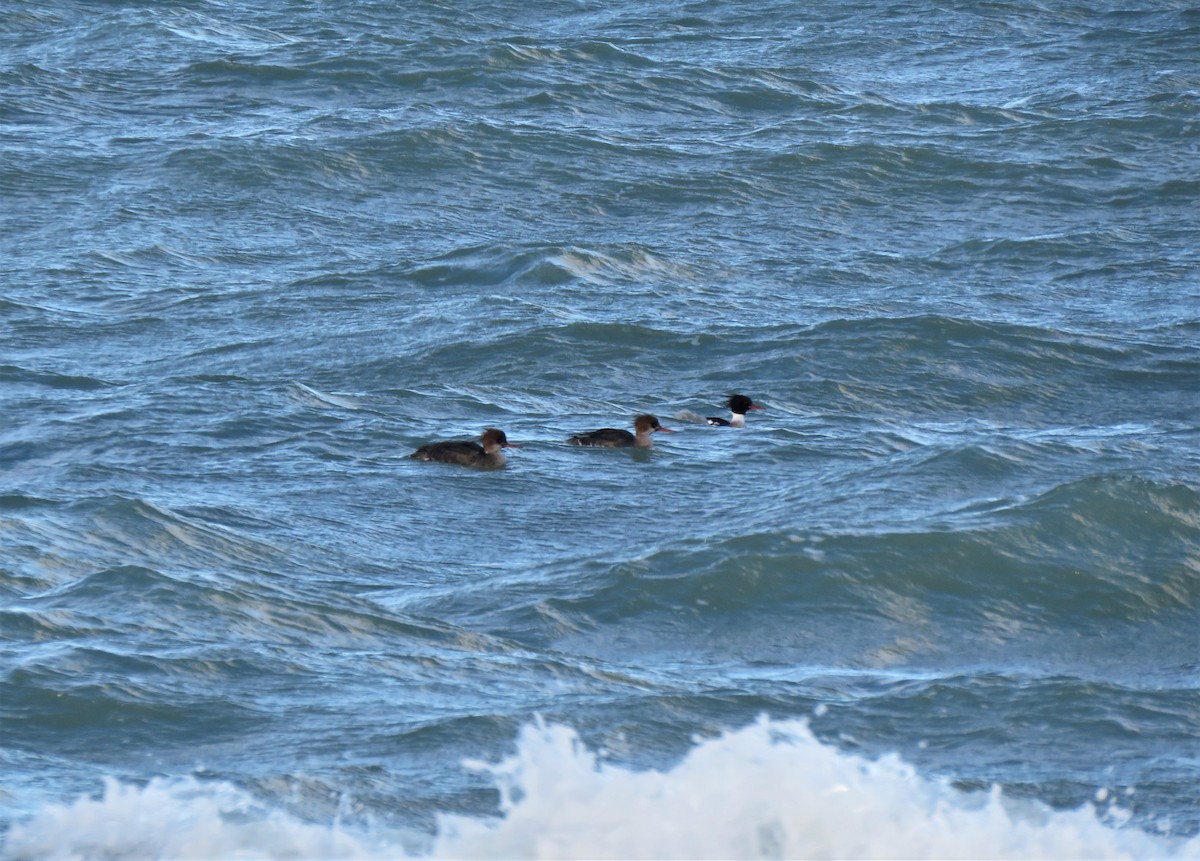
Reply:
x=770, y=790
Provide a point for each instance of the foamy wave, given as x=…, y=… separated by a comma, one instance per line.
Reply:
x=178, y=819
x=770, y=790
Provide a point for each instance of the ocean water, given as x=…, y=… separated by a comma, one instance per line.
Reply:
x=940, y=598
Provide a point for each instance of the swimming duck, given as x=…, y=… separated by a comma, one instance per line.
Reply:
x=643, y=425
x=485, y=454
x=739, y=405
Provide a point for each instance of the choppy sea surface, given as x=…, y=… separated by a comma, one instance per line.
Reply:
x=940, y=598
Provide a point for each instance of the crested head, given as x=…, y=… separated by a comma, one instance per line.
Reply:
x=645, y=422
x=741, y=404
x=493, y=438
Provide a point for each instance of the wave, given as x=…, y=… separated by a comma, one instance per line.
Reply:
x=1033, y=581
x=586, y=53
x=226, y=35
x=14, y=374
x=494, y=266
x=899, y=369
x=769, y=790
x=212, y=610
x=904, y=366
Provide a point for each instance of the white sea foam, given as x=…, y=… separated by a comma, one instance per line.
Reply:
x=175, y=818
x=770, y=790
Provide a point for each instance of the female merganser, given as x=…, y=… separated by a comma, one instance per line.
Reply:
x=644, y=424
x=739, y=405
x=486, y=456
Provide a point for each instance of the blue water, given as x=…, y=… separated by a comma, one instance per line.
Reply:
x=941, y=598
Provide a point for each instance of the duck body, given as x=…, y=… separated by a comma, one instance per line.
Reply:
x=486, y=454
x=739, y=405
x=643, y=425
x=605, y=438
